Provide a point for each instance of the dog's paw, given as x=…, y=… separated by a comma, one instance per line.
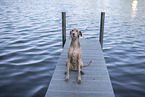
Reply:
x=79, y=81
x=65, y=72
x=82, y=73
x=66, y=79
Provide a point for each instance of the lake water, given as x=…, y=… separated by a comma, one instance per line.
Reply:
x=30, y=42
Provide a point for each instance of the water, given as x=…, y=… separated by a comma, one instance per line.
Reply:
x=30, y=42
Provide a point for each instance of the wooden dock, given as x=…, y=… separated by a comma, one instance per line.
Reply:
x=96, y=81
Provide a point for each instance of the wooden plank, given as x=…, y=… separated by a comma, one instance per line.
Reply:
x=96, y=81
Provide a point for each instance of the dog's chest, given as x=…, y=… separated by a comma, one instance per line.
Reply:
x=74, y=55
x=74, y=58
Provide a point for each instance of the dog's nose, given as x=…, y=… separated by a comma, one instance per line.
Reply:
x=73, y=34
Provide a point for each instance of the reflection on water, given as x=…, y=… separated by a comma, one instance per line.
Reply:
x=134, y=11
x=134, y=8
x=30, y=42
x=134, y=4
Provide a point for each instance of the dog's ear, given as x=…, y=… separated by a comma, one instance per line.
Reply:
x=80, y=33
x=69, y=35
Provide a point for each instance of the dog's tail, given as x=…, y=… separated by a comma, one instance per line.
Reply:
x=87, y=64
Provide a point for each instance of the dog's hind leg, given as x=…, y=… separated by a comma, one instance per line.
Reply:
x=82, y=72
x=66, y=71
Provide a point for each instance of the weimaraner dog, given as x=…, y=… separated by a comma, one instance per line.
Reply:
x=74, y=61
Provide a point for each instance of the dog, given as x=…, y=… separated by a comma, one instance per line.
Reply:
x=74, y=61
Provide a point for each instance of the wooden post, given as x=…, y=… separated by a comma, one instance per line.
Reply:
x=102, y=28
x=63, y=28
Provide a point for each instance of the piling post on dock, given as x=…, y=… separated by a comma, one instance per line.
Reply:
x=102, y=28
x=63, y=28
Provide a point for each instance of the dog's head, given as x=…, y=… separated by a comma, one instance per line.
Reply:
x=75, y=33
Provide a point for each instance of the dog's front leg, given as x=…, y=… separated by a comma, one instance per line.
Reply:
x=68, y=68
x=79, y=73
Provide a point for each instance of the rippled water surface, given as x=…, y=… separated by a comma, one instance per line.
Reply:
x=30, y=42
